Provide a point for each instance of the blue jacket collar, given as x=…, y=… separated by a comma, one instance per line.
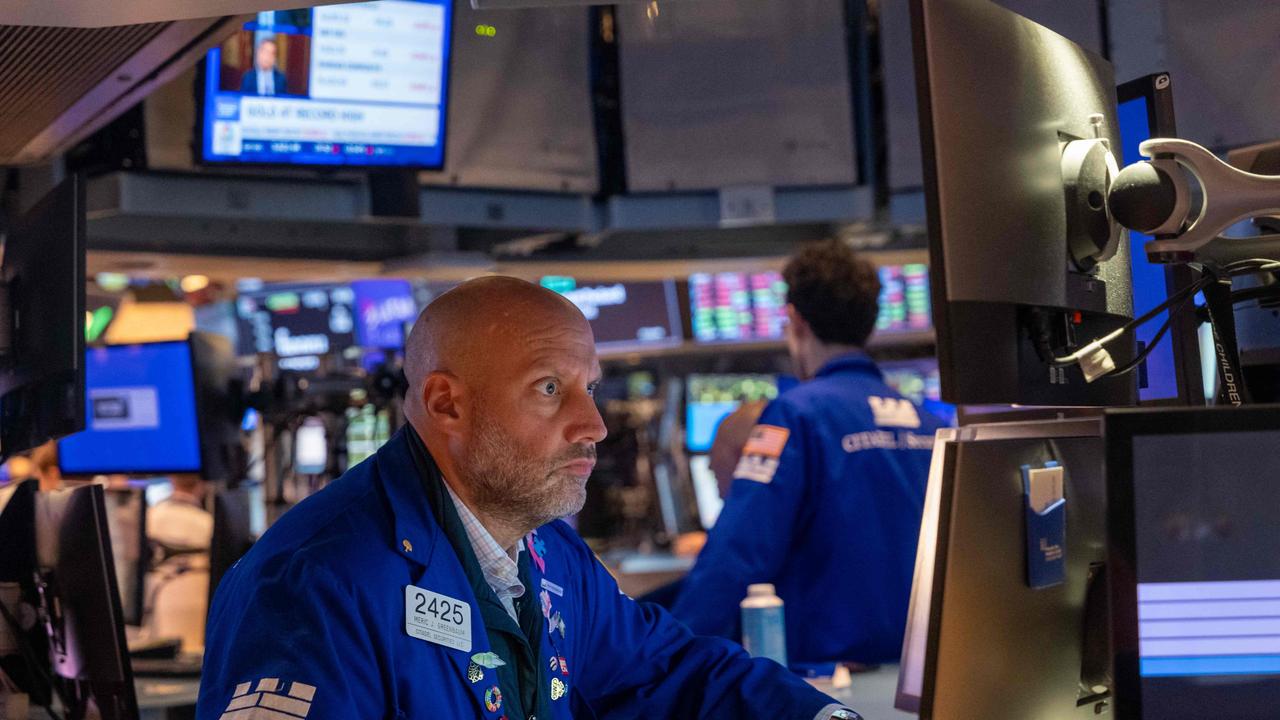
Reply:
x=853, y=361
x=416, y=531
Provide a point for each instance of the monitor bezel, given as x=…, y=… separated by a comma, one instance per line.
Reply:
x=1121, y=426
x=1157, y=90
x=201, y=99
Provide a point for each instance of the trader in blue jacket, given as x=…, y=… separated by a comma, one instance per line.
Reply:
x=432, y=581
x=829, y=490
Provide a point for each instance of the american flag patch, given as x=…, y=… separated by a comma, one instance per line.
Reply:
x=766, y=441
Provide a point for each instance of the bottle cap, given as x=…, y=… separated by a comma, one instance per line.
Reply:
x=760, y=590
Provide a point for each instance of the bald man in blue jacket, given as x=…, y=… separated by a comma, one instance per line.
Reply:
x=432, y=581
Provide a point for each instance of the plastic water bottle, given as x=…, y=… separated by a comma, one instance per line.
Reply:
x=764, y=626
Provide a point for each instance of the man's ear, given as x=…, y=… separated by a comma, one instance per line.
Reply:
x=442, y=400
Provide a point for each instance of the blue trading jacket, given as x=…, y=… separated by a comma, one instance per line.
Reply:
x=311, y=624
x=825, y=504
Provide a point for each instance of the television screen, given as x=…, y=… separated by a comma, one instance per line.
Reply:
x=298, y=323
x=624, y=315
x=709, y=398
x=737, y=306
x=359, y=84
x=140, y=412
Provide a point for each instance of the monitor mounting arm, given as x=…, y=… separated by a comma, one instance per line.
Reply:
x=1154, y=197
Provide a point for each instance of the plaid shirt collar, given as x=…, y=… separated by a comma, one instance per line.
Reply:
x=500, y=567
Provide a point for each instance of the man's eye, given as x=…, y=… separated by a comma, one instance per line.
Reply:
x=591, y=389
x=549, y=387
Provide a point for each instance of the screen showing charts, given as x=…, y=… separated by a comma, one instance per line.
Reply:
x=904, y=298
x=624, y=315
x=712, y=397
x=140, y=412
x=734, y=306
x=1208, y=574
x=357, y=84
x=299, y=323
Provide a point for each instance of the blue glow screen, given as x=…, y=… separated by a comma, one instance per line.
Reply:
x=140, y=414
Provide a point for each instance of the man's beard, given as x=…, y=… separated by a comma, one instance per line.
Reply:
x=510, y=483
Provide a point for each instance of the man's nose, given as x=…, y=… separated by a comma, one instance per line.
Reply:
x=587, y=425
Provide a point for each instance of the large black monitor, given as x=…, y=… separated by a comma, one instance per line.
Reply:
x=232, y=533
x=220, y=405
x=87, y=652
x=127, y=526
x=986, y=638
x=1026, y=263
x=1195, y=557
x=42, y=284
x=23, y=645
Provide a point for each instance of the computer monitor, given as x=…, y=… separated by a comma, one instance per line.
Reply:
x=127, y=527
x=1195, y=557
x=358, y=84
x=233, y=521
x=1172, y=371
x=220, y=406
x=24, y=649
x=87, y=652
x=42, y=277
x=737, y=306
x=981, y=642
x=1026, y=265
x=709, y=398
x=143, y=417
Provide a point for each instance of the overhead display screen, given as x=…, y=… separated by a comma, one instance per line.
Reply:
x=736, y=306
x=140, y=412
x=624, y=315
x=298, y=323
x=733, y=306
x=359, y=84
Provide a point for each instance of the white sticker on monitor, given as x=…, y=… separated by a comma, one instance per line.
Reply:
x=124, y=408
